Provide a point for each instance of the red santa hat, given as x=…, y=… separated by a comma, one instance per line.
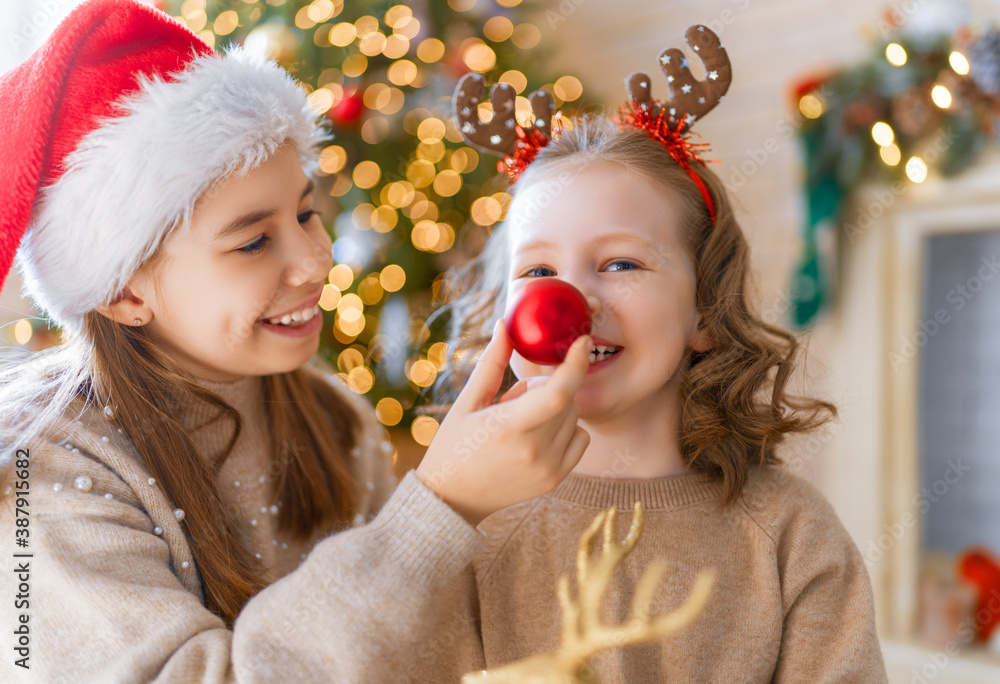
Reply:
x=112, y=130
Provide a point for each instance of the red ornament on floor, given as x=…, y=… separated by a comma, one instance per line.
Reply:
x=546, y=317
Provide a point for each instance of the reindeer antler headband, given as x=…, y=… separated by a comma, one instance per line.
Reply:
x=668, y=122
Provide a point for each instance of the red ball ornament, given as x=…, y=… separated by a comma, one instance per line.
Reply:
x=347, y=111
x=545, y=319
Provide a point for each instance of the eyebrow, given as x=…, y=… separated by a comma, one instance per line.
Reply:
x=599, y=240
x=252, y=217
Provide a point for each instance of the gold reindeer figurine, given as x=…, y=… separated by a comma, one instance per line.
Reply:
x=584, y=634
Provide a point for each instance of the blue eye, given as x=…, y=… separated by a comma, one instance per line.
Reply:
x=537, y=268
x=255, y=246
x=625, y=263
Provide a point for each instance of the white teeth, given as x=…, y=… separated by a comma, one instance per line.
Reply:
x=600, y=352
x=302, y=316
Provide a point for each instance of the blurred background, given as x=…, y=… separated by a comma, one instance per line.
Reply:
x=859, y=142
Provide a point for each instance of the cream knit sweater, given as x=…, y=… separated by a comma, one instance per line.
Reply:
x=792, y=601
x=115, y=595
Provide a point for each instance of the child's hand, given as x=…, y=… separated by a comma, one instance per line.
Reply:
x=487, y=456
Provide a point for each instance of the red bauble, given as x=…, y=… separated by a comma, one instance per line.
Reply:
x=347, y=111
x=546, y=317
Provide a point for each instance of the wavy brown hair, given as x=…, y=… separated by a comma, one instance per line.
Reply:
x=312, y=432
x=735, y=405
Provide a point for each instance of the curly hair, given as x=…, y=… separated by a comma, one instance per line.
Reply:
x=735, y=410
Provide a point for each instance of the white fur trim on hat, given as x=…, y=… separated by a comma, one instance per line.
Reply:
x=137, y=176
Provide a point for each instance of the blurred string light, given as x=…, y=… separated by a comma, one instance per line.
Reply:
x=941, y=96
x=882, y=133
x=22, y=332
x=896, y=54
x=811, y=106
x=959, y=64
x=916, y=170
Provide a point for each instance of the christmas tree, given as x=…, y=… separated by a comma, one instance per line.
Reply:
x=403, y=196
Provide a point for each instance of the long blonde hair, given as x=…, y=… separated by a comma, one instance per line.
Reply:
x=734, y=413
x=312, y=432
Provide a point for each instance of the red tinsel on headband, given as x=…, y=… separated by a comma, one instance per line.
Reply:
x=673, y=135
x=526, y=150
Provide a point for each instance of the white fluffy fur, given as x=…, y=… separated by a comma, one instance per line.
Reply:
x=137, y=176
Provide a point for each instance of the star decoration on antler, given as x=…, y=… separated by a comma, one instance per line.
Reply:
x=669, y=122
x=518, y=145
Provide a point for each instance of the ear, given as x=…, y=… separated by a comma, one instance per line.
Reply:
x=129, y=305
x=701, y=341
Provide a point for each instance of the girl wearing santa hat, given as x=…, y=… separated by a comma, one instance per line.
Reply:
x=180, y=478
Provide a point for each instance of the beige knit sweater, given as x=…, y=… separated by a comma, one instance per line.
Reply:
x=792, y=600
x=115, y=595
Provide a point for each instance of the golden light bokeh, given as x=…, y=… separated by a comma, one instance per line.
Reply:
x=438, y=354
x=447, y=183
x=389, y=411
x=409, y=27
x=811, y=106
x=514, y=79
x=373, y=43
x=526, y=36
x=397, y=14
x=330, y=298
x=423, y=430
x=370, y=290
x=431, y=151
x=420, y=173
x=402, y=72
x=392, y=278
x=422, y=373
x=430, y=50
x=343, y=34
x=366, y=174
x=498, y=29
x=354, y=65
x=349, y=359
x=396, y=46
x=568, y=88
x=430, y=130
x=341, y=276
x=890, y=154
x=366, y=26
x=226, y=23
x=485, y=211
x=479, y=57
x=360, y=380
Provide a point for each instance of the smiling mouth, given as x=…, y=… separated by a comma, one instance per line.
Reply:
x=295, y=319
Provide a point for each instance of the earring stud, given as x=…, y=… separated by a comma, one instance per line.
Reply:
x=137, y=321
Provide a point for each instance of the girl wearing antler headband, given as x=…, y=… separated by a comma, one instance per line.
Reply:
x=685, y=404
x=175, y=471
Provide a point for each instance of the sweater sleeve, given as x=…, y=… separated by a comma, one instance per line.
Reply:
x=828, y=633
x=111, y=600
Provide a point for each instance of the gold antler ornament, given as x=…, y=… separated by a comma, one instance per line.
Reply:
x=584, y=633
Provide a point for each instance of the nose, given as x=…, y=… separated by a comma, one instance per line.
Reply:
x=310, y=258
